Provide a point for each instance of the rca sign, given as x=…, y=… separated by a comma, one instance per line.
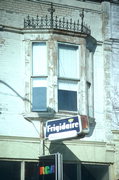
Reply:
x=51, y=167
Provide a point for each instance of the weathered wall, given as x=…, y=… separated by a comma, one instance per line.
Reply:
x=103, y=21
x=13, y=14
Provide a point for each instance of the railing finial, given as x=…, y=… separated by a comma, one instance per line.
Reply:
x=82, y=18
x=51, y=10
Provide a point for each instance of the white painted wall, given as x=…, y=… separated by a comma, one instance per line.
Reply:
x=12, y=64
x=103, y=20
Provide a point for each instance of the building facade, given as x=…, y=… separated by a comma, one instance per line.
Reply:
x=59, y=59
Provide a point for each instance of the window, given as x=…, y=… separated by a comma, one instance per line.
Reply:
x=82, y=171
x=31, y=170
x=13, y=170
x=94, y=172
x=61, y=78
x=68, y=76
x=39, y=76
x=10, y=170
x=70, y=171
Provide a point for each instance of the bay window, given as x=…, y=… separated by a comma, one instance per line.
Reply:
x=61, y=77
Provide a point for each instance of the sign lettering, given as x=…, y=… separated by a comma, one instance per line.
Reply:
x=63, y=128
x=47, y=170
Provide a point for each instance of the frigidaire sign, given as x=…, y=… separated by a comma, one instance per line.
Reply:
x=63, y=128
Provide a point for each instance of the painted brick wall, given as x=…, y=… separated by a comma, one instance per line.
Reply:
x=12, y=52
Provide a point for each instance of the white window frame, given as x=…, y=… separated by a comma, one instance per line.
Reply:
x=75, y=81
x=53, y=79
x=40, y=78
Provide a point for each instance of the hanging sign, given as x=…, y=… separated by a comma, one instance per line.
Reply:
x=63, y=128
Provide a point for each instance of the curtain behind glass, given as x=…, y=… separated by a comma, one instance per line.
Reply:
x=68, y=61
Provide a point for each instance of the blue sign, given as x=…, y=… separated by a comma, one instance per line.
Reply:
x=63, y=128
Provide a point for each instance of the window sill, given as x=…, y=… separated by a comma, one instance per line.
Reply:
x=39, y=115
x=43, y=116
x=64, y=112
x=69, y=79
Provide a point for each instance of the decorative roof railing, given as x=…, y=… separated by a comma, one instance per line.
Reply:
x=54, y=22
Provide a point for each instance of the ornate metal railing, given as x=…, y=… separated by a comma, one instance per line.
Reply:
x=53, y=22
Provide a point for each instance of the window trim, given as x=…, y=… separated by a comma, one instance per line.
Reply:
x=52, y=106
x=78, y=58
x=66, y=78
x=38, y=76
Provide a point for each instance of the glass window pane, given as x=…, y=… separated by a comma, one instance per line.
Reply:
x=39, y=59
x=10, y=170
x=31, y=170
x=68, y=61
x=67, y=100
x=94, y=172
x=39, y=82
x=39, y=94
x=68, y=85
x=39, y=99
x=70, y=172
x=67, y=95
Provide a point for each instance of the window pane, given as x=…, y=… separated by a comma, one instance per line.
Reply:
x=67, y=95
x=39, y=94
x=68, y=85
x=31, y=171
x=94, y=172
x=67, y=100
x=39, y=98
x=39, y=59
x=10, y=170
x=70, y=172
x=68, y=61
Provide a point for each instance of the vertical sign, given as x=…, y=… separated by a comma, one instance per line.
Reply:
x=51, y=167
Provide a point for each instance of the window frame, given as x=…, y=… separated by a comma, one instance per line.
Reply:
x=78, y=167
x=34, y=77
x=53, y=79
x=9, y=165
x=76, y=80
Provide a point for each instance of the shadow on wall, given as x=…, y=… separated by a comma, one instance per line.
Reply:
x=74, y=169
x=23, y=98
x=71, y=163
x=91, y=129
x=60, y=147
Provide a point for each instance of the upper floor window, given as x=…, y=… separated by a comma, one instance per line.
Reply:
x=39, y=76
x=61, y=76
x=68, y=76
x=68, y=61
